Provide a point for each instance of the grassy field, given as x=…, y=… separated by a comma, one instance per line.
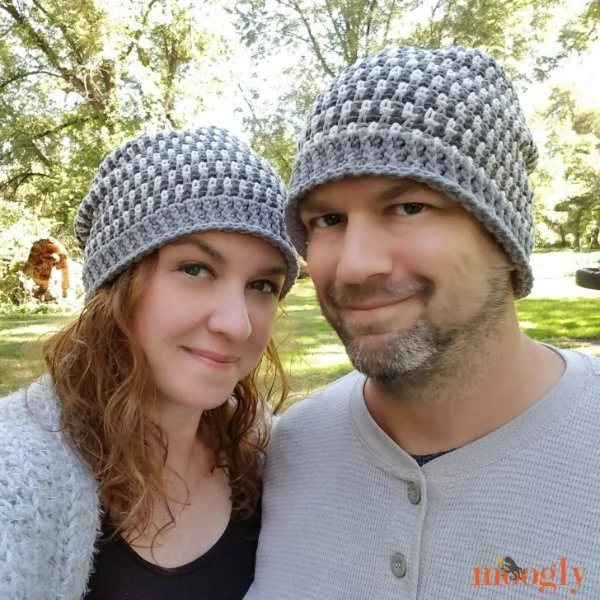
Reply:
x=21, y=339
x=311, y=351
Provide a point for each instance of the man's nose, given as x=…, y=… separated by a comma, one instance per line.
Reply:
x=363, y=253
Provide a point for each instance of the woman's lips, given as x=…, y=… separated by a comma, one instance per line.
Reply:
x=213, y=359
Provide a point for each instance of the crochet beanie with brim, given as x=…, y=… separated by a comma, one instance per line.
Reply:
x=157, y=188
x=448, y=118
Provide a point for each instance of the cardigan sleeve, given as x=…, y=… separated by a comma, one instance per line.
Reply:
x=49, y=509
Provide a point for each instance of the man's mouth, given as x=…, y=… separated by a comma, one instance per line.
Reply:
x=371, y=310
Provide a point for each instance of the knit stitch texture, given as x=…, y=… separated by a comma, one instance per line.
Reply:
x=349, y=515
x=449, y=118
x=160, y=187
x=49, y=506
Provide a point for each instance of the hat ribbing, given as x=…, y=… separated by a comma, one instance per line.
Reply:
x=159, y=187
x=449, y=118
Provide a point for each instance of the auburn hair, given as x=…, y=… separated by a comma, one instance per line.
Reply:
x=104, y=384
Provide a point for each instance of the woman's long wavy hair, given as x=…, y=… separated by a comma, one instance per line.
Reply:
x=102, y=379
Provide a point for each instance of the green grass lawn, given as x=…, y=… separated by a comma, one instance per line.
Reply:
x=310, y=350
x=21, y=338
x=563, y=322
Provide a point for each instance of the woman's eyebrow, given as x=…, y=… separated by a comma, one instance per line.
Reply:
x=274, y=270
x=214, y=253
x=207, y=248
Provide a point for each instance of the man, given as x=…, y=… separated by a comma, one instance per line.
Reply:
x=460, y=459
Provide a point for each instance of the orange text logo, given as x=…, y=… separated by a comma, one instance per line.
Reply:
x=546, y=579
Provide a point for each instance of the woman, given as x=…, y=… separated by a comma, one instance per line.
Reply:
x=132, y=469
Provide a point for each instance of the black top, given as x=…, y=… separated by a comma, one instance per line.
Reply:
x=225, y=572
x=423, y=459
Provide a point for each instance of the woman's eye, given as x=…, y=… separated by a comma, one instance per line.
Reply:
x=409, y=208
x=266, y=287
x=195, y=270
x=326, y=221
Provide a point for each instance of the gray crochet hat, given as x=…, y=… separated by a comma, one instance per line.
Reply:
x=159, y=187
x=449, y=118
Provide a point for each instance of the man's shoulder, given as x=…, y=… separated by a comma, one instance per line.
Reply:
x=594, y=364
x=324, y=400
x=323, y=408
x=578, y=395
x=583, y=369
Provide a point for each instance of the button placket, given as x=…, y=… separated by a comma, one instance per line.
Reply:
x=414, y=492
x=398, y=565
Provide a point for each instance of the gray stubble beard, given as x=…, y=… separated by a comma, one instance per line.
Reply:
x=397, y=354
x=408, y=358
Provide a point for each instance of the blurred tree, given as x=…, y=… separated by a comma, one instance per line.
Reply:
x=322, y=37
x=580, y=31
x=76, y=79
x=574, y=138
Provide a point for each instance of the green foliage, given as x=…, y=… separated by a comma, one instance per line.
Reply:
x=507, y=30
x=574, y=139
x=575, y=36
x=322, y=37
x=78, y=78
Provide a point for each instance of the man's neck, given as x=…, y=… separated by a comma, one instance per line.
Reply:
x=472, y=394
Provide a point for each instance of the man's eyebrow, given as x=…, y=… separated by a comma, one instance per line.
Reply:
x=397, y=190
x=315, y=204
x=318, y=204
x=207, y=248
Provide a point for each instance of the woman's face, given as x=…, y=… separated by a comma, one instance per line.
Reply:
x=207, y=314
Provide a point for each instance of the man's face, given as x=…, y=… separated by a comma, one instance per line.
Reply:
x=402, y=273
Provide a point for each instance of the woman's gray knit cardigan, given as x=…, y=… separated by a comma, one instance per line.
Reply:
x=49, y=506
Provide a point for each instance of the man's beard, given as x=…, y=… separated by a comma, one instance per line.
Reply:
x=390, y=356
x=410, y=355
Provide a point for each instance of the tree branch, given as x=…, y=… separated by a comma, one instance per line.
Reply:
x=369, y=22
x=138, y=34
x=260, y=126
x=336, y=27
x=75, y=48
x=313, y=40
x=65, y=125
x=18, y=180
x=25, y=75
x=43, y=45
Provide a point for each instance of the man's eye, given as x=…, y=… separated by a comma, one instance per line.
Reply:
x=326, y=221
x=196, y=270
x=265, y=287
x=409, y=208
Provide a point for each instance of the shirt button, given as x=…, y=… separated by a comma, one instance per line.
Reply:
x=398, y=564
x=414, y=493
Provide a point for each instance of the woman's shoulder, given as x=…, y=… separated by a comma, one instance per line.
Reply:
x=30, y=415
x=31, y=441
x=49, y=506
